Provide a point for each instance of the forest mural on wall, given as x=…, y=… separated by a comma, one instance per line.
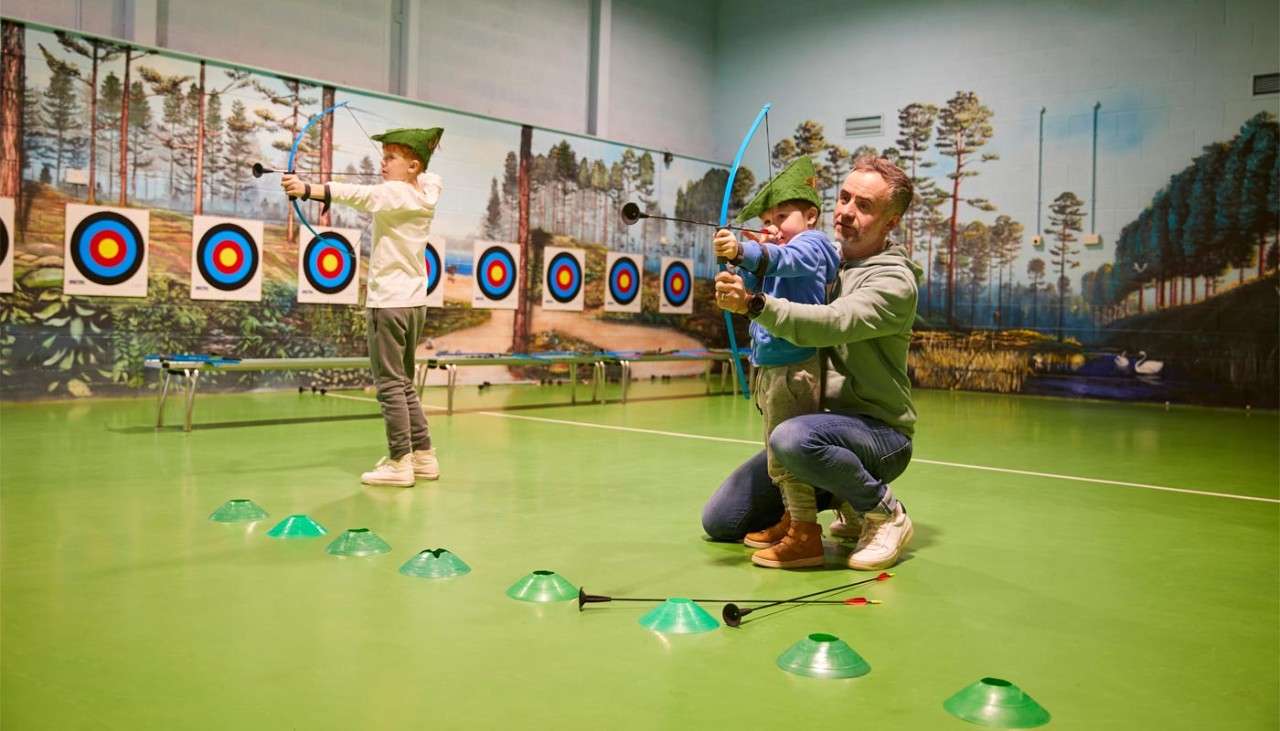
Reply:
x=1184, y=310
x=101, y=123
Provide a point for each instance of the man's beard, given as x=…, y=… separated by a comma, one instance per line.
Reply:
x=849, y=234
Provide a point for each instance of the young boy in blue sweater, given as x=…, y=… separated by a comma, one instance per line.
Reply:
x=797, y=262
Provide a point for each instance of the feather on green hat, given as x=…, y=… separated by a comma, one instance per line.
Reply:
x=423, y=142
x=797, y=182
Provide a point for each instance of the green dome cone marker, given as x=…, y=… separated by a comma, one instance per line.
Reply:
x=678, y=616
x=435, y=563
x=238, y=511
x=543, y=586
x=996, y=703
x=357, y=542
x=821, y=655
x=297, y=526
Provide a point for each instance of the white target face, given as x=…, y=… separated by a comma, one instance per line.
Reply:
x=675, y=294
x=496, y=272
x=106, y=251
x=226, y=259
x=624, y=280
x=329, y=266
x=563, y=278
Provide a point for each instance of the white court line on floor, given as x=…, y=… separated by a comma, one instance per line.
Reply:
x=959, y=465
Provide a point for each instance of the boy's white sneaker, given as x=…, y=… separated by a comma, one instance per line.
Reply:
x=884, y=536
x=425, y=464
x=393, y=472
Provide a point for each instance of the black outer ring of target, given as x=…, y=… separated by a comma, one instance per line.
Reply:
x=337, y=240
x=677, y=299
x=78, y=260
x=504, y=292
x=204, y=271
x=551, y=268
x=615, y=291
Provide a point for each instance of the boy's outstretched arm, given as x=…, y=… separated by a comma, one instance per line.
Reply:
x=806, y=254
x=371, y=198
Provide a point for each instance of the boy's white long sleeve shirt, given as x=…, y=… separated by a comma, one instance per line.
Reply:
x=402, y=217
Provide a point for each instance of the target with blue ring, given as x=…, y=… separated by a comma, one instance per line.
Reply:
x=624, y=280
x=329, y=263
x=496, y=273
x=107, y=248
x=564, y=277
x=434, y=268
x=677, y=284
x=227, y=257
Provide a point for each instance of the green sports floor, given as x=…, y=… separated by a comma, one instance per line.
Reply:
x=1120, y=563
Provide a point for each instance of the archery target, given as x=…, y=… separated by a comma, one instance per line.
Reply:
x=226, y=259
x=434, y=256
x=677, y=286
x=6, y=244
x=562, y=278
x=106, y=251
x=329, y=266
x=623, y=280
x=496, y=268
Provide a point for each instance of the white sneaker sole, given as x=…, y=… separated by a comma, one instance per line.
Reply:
x=888, y=561
x=755, y=544
x=385, y=482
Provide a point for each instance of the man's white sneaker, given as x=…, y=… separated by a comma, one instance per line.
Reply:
x=425, y=464
x=884, y=536
x=848, y=523
x=393, y=472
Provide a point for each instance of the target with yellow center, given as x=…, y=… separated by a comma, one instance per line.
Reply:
x=562, y=280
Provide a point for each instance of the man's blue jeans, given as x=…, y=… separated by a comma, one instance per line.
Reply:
x=844, y=457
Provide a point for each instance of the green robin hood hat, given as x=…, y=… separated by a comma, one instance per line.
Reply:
x=797, y=182
x=423, y=142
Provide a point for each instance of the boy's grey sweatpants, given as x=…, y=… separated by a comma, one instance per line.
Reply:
x=393, y=340
x=782, y=392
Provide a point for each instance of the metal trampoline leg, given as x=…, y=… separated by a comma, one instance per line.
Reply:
x=452, y=371
x=164, y=394
x=193, y=379
x=597, y=378
x=625, y=378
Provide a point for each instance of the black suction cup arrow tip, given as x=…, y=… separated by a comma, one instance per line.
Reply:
x=731, y=615
x=258, y=170
x=584, y=598
x=631, y=213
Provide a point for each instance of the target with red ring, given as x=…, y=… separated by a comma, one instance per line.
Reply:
x=496, y=273
x=329, y=263
x=564, y=277
x=4, y=242
x=227, y=257
x=107, y=248
x=677, y=284
x=433, y=267
x=624, y=280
